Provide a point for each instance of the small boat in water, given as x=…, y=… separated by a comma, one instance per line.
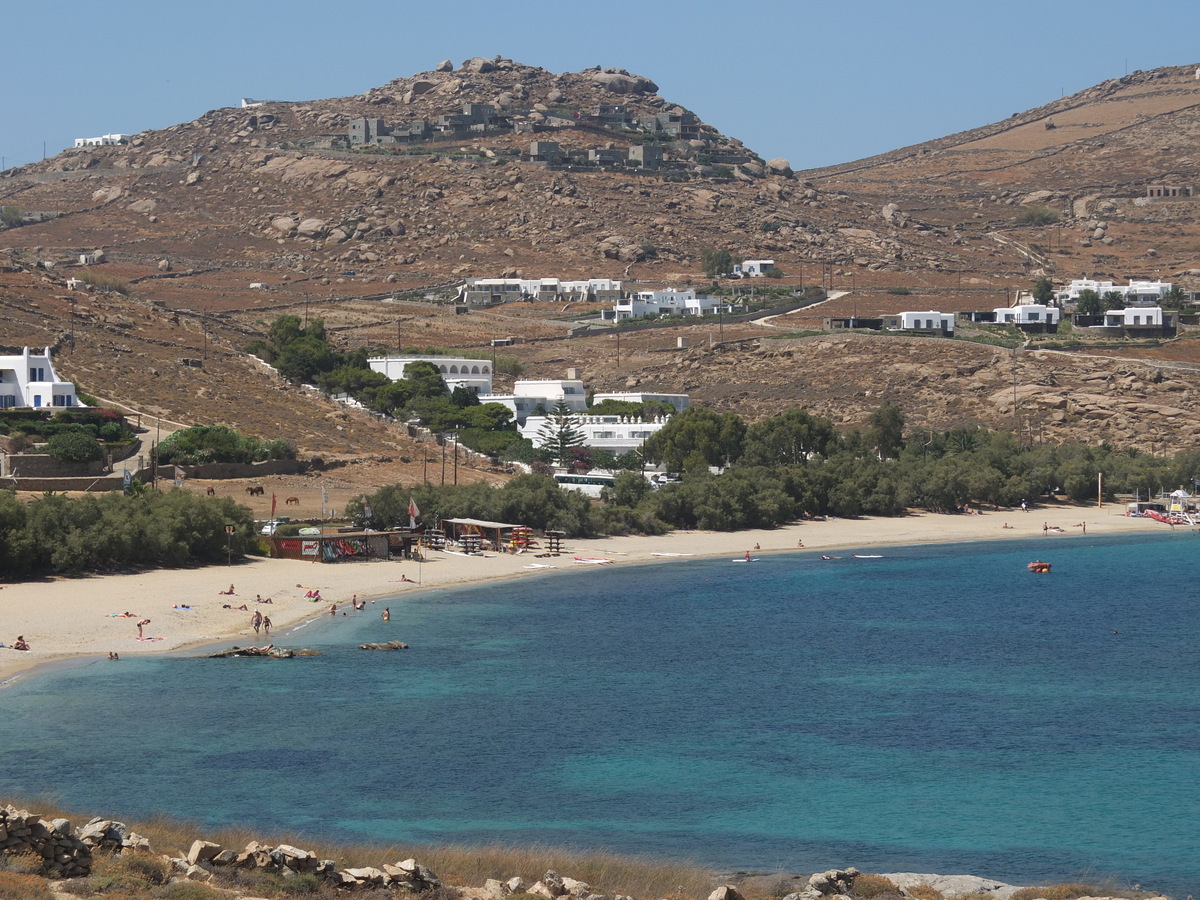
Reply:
x=1038, y=566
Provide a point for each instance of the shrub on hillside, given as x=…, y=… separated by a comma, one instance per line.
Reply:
x=1037, y=214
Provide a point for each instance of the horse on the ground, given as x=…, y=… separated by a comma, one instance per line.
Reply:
x=292, y=501
x=210, y=491
x=256, y=490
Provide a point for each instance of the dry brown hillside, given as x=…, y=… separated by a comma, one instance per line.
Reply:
x=191, y=215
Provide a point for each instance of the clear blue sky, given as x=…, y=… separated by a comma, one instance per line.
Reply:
x=816, y=82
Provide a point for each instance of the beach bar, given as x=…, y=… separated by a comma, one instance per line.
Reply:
x=473, y=535
x=336, y=546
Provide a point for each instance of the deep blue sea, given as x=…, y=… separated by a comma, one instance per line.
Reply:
x=940, y=709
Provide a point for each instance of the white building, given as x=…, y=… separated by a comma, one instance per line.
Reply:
x=927, y=321
x=679, y=401
x=513, y=290
x=1146, y=292
x=667, y=302
x=1028, y=314
x=528, y=396
x=105, y=140
x=753, y=268
x=473, y=374
x=1135, y=317
x=30, y=380
x=618, y=434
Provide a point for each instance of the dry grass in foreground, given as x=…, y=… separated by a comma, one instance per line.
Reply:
x=140, y=876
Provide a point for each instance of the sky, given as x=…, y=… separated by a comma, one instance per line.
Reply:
x=817, y=83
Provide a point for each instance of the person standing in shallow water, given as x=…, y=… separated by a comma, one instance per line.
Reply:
x=386, y=615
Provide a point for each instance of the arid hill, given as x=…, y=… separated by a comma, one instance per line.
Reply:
x=190, y=216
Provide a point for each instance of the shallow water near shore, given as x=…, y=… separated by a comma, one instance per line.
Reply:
x=936, y=709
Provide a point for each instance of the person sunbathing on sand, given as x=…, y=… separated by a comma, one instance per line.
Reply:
x=19, y=643
x=228, y=593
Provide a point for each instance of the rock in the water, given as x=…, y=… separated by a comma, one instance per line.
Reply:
x=386, y=645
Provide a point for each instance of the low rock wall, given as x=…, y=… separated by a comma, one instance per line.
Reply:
x=23, y=833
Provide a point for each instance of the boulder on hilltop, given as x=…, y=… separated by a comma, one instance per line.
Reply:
x=623, y=83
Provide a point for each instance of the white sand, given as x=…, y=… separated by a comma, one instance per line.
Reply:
x=70, y=617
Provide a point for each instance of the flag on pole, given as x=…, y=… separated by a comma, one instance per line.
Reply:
x=324, y=500
x=413, y=512
x=127, y=480
x=273, y=499
x=366, y=509
x=179, y=476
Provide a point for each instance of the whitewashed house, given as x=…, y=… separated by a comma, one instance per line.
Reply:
x=679, y=401
x=1029, y=316
x=926, y=321
x=29, y=380
x=753, y=268
x=1135, y=317
x=618, y=434
x=1145, y=292
x=528, y=396
x=475, y=375
x=105, y=140
x=666, y=302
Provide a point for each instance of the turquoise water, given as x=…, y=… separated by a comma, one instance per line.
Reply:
x=939, y=709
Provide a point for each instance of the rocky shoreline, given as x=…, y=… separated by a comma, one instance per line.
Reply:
x=70, y=853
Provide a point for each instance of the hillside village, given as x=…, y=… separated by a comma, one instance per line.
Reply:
x=431, y=211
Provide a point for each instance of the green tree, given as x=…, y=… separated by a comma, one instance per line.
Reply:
x=628, y=489
x=1043, y=291
x=74, y=447
x=559, y=435
x=1088, y=303
x=1112, y=300
x=707, y=437
x=789, y=438
x=887, y=430
x=717, y=262
x=1175, y=298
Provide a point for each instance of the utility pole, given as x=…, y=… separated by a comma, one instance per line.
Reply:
x=456, y=456
x=443, y=437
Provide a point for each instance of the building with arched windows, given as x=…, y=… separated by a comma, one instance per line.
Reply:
x=475, y=375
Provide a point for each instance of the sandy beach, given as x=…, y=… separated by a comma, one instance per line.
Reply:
x=84, y=617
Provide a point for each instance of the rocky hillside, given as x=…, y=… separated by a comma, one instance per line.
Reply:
x=279, y=195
